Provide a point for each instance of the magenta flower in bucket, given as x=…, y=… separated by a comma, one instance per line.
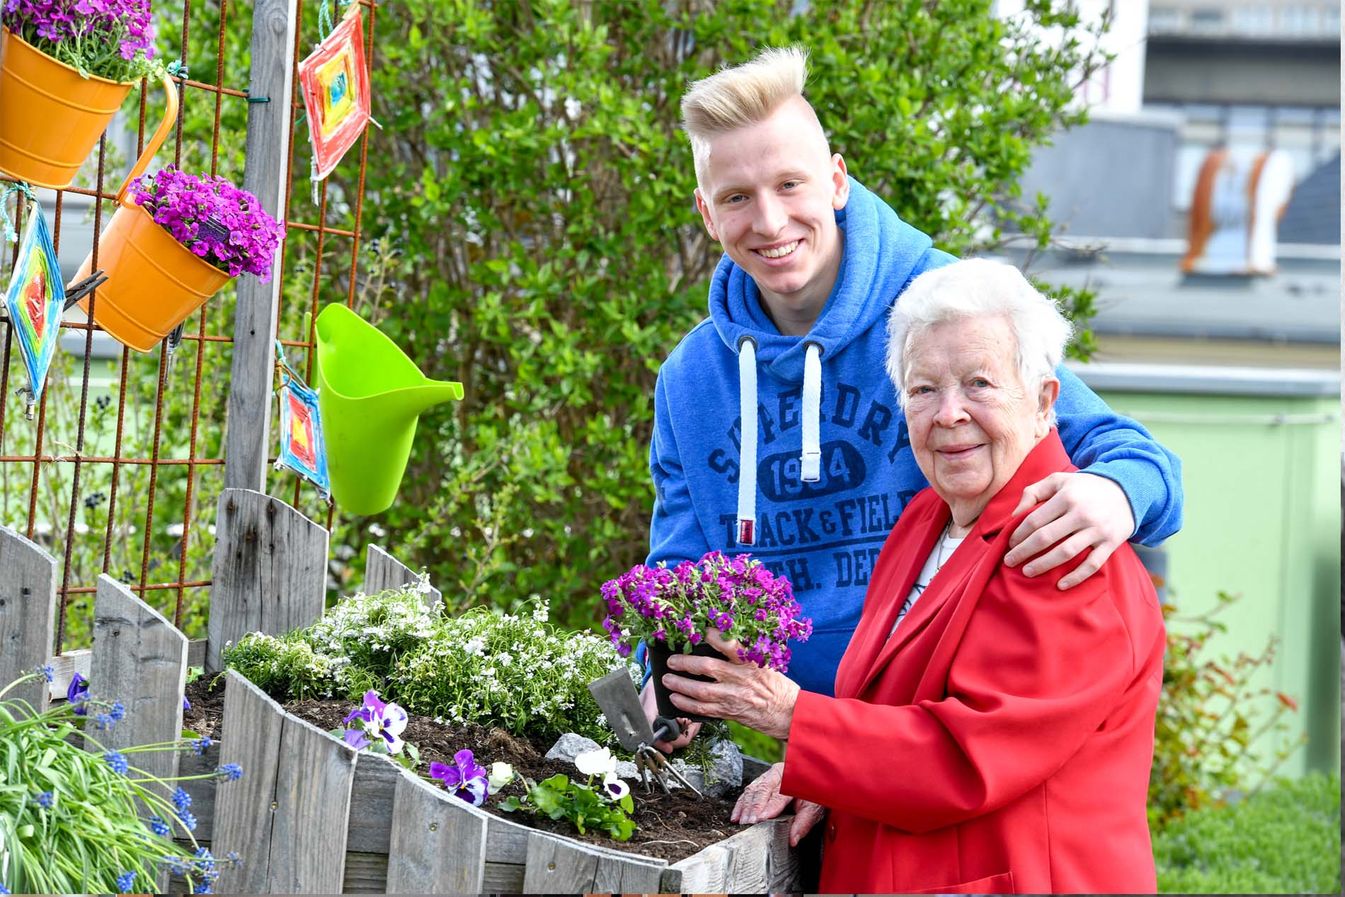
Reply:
x=738, y=596
x=112, y=39
x=218, y=222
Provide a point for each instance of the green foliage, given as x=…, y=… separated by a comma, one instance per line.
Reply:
x=516, y=671
x=561, y=798
x=1284, y=840
x=1211, y=715
x=756, y=744
x=549, y=256
x=513, y=670
x=69, y=822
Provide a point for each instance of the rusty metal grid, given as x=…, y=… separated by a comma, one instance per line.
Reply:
x=163, y=581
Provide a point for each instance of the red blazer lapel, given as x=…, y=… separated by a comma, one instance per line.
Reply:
x=965, y=572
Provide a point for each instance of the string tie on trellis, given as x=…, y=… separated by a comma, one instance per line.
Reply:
x=178, y=69
x=325, y=22
x=7, y=223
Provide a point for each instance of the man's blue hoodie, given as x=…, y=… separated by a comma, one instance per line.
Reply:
x=825, y=535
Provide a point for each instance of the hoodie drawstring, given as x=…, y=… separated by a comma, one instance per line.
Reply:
x=747, y=473
x=810, y=462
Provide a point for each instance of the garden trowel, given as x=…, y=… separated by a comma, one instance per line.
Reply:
x=620, y=704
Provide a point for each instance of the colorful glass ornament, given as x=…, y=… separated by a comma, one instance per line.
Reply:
x=301, y=447
x=35, y=301
x=335, y=83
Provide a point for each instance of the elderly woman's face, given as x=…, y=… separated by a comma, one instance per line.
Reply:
x=971, y=419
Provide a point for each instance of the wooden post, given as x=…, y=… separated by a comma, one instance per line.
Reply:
x=265, y=174
x=27, y=612
x=559, y=865
x=270, y=570
x=383, y=571
x=243, y=810
x=140, y=659
x=431, y=851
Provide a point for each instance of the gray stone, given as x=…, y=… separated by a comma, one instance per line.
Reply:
x=726, y=770
x=569, y=746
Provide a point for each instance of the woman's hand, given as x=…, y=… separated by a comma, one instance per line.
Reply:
x=762, y=800
x=758, y=698
x=650, y=706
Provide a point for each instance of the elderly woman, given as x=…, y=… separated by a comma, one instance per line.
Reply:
x=990, y=732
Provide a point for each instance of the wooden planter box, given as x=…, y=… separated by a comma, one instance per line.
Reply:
x=311, y=815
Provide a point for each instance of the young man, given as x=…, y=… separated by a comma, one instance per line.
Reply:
x=776, y=428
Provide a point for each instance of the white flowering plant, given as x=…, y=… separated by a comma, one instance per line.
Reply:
x=603, y=804
x=516, y=671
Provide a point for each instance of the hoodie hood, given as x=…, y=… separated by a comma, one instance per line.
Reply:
x=880, y=255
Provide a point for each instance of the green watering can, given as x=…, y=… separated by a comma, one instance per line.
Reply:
x=371, y=396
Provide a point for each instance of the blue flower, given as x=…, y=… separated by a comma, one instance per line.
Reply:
x=158, y=826
x=202, y=887
x=125, y=882
x=181, y=800
x=117, y=761
x=118, y=712
x=47, y=671
x=3, y=889
x=188, y=820
x=230, y=772
x=198, y=747
x=186, y=705
x=102, y=721
x=45, y=799
x=77, y=693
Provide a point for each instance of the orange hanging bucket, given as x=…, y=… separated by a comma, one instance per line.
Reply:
x=153, y=281
x=51, y=116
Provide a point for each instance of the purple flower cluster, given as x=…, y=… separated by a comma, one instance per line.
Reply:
x=738, y=596
x=112, y=39
x=211, y=217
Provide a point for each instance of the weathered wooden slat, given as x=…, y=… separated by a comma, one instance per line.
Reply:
x=140, y=659
x=244, y=810
x=80, y=660
x=270, y=570
x=747, y=853
x=366, y=873
x=265, y=174
x=562, y=866
x=373, y=796
x=383, y=571
x=783, y=874
x=202, y=791
x=502, y=878
x=313, y=785
x=27, y=614
x=435, y=847
x=506, y=842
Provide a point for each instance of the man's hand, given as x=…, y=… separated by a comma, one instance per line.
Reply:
x=689, y=729
x=762, y=800
x=1079, y=511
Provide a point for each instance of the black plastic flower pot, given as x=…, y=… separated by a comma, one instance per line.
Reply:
x=658, y=659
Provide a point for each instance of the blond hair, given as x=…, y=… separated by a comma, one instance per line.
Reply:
x=741, y=95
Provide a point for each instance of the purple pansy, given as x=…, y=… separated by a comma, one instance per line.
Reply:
x=464, y=778
x=375, y=719
x=738, y=596
x=222, y=224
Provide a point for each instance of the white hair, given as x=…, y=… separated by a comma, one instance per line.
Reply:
x=742, y=95
x=979, y=288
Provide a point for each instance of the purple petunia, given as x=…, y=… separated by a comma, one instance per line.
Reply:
x=216, y=221
x=464, y=778
x=738, y=596
x=112, y=39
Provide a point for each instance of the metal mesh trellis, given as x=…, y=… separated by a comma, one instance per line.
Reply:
x=120, y=466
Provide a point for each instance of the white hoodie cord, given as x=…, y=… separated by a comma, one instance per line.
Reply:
x=747, y=472
x=810, y=462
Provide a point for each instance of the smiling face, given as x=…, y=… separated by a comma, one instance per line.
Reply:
x=769, y=192
x=972, y=421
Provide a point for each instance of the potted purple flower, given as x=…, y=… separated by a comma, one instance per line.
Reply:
x=174, y=241
x=65, y=68
x=671, y=610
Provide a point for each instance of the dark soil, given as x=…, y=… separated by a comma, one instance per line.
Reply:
x=669, y=826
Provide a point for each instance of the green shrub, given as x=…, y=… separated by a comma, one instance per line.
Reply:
x=1284, y=840
x=513, y=670
x=1214, y=723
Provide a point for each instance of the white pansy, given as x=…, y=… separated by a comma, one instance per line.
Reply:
x=501, y=774
x=599, y=762
x=614, y=788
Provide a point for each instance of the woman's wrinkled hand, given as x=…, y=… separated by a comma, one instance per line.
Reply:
x=762, y=800
x=759, y=698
